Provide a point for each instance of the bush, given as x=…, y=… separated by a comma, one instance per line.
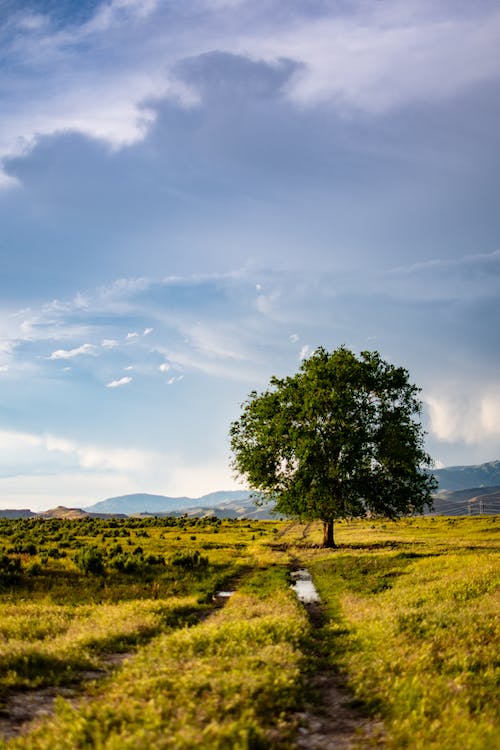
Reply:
x=10, y=570
x=90, y=560
x=191, y=561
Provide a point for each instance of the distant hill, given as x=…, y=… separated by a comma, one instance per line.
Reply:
x=62, y=512
x=464, y=477
x=244, y=508
x=159, y=504
x=21, y=513
x=472, y=501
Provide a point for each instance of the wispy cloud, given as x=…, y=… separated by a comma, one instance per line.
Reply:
x=377, y=58
x=460, y=277
x=87, y=456
x=119, y=383
x=85, y=349
x=175, y=379
x=224, y=336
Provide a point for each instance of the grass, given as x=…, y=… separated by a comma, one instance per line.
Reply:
x=410, y=618
x=52, y=644
x=228, y=682
x=418, y=628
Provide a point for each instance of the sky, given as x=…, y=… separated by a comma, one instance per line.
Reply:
x=195, y=195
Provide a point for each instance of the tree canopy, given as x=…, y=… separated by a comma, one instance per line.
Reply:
x=341, y=438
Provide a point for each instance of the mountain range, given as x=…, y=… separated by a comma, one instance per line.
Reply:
x=462, y=490
x=464, y=477
x=144, y=503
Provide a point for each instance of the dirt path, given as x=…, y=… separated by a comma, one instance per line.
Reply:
x=333, y=719
x=23, y=707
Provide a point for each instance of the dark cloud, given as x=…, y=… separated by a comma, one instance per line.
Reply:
x=231, y=80
x=244, y=174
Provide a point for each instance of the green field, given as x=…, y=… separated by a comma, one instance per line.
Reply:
x=120, y=616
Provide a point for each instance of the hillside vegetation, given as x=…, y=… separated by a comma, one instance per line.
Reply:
x=121, y=617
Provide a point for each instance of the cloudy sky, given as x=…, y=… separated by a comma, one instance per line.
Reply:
x=195, y=194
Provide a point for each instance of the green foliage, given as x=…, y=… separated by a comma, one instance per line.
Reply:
x=10, y=570
x=190, y=561
x=90, y=560
x=339, y=439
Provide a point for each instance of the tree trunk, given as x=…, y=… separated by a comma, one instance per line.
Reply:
x=328, y=540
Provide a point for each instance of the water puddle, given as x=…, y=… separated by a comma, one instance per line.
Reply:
x=304, y=587
x=221, y=597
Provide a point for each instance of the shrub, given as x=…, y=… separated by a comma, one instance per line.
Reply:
x=190, y=561
x=90, y=560
x=10, y=570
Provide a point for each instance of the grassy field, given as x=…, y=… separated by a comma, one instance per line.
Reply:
x=410, y=620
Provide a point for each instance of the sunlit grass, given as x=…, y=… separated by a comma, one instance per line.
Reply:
x=228, y=682
x=419, y=628
x=47, y=645
x=410, y=618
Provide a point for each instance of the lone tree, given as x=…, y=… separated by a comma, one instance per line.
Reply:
x=339, y=439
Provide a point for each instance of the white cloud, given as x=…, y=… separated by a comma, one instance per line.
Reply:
x=80, y=301
x=6, y=346
x=216, y=346
x=305, y=351
x=4, y=368
x=470, y=417
x=14, y=446
x=119, y=383
x=294, y=338
x=124, y=287
x=271, y=305
x=490, y=413
x=85, y=349
x=380, y=59
x=165, y=367
x=116, y=12
x=222, y=343
x=175, y=379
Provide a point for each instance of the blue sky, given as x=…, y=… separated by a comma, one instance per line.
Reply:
x=194, y=195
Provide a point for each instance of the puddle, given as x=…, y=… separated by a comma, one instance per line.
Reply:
x=222, y=595
x=304, y=587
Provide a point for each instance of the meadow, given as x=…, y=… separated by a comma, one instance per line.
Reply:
x=124, y=614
